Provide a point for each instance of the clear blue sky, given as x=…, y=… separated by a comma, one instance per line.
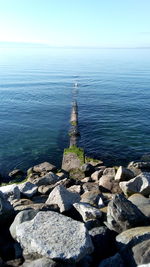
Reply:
x=102, y=23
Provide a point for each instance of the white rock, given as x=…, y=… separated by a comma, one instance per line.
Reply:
x=55, y=236
x=63, y=198
x=139, y=184
x=96, y=175
x=11, y=192
x=87, y=211
x=28, y=189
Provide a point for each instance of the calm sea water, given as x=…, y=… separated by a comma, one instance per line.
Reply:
x=36, y=92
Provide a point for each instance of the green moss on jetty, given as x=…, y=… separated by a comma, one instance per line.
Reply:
x=76, y=150
x=73, y=123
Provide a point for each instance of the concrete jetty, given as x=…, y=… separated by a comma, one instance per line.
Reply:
x=74, y=132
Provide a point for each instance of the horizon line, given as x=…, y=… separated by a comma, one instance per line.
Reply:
x=70, y=46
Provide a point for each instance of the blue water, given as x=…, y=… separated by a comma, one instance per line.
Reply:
x=36, y=91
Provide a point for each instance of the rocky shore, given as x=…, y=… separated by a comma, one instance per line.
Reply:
x=85, y=214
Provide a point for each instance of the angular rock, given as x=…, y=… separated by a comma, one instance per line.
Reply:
x=26, y=204
x=123, y=174
x=28, y=189
x=90, y=187
x=123, y=215
x=86, y=180
x=142, y=203
x=11, y=192
x=87, y=168
x=54, y=236
x=91, y=197
x=106, y=182
x=23, y=216
x=140, y=165
x=87, y=211
x=132, y=237
x=75, y=189
x=139, y=184
x=141, y=252
x=44, y=167
x=47, y=179
x=63, y=198
x=96, y=175
x=115, y=260
x=109, y=172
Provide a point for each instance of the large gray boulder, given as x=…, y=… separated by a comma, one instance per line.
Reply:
x=142, y=203
x=63, y=198
x=21, y=217
x=122, y=215
x=141, y=252
x=54, y=236
x=11, y=192
x=139, y=184
x=87, y=211
x=28, y=189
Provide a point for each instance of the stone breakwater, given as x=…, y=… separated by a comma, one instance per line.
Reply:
x=85, y=214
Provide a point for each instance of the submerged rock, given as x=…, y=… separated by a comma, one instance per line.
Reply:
x=122, y=215
x=54, y=236
x=63, y=198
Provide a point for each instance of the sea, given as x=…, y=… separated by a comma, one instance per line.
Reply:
x=37, y=87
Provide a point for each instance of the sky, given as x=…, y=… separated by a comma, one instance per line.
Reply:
x=76, y=23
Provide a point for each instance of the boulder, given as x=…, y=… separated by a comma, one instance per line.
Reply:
x=47, y=179
x=132, y=237
x=102, y=237
x=15, y=174
x=6, y=209
x=123, y=174
x=75, y=189
x=73, y=158
x=115, y=260
x=141, y=252
x=26, y=204
x=90, y=187
x=109, y=172
x=139, y=184
x=11, y=192
x=142, y=203
x=122, y=215
x=140, y=165
x=96, y=175
x=46, y=189
x=42, y=262
x=63, y=198
x=87, y=168
x=87, y=211
x=28, y=189
x=91, y=197
x=21, y=217
x=106, y=182
x=44, y=167
x=54, y=236
x=86, y=180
